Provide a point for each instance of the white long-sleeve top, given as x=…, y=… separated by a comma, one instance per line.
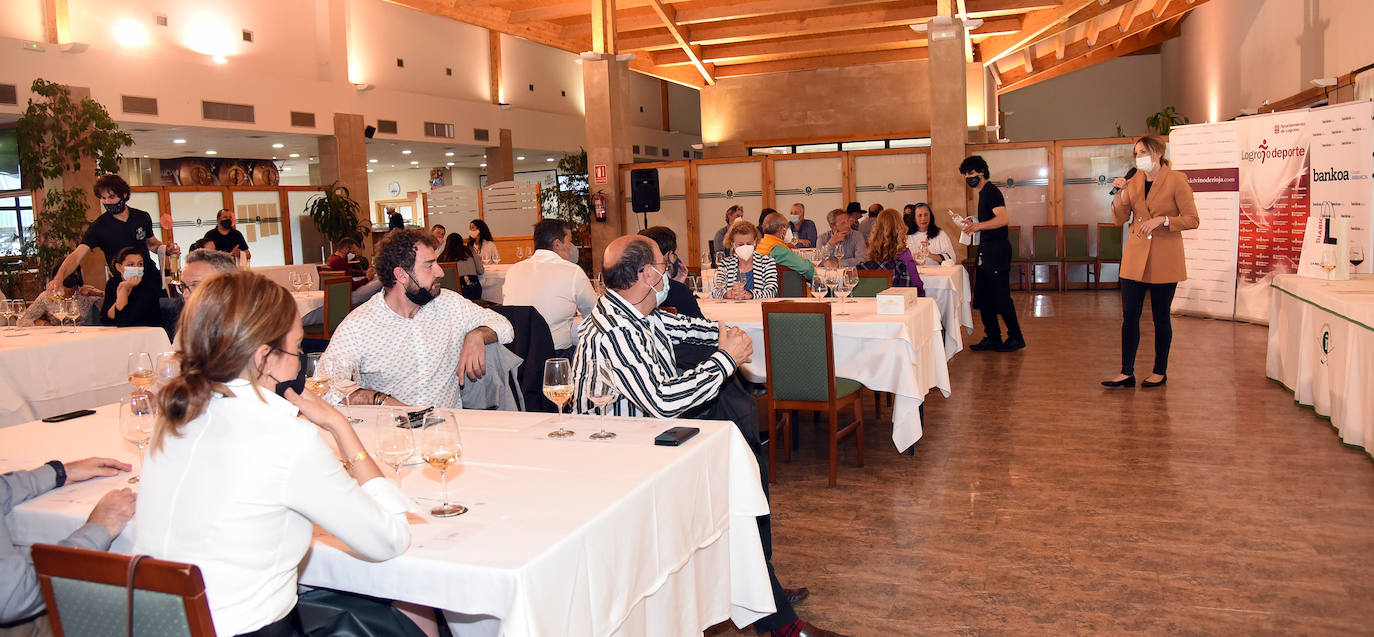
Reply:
x=556, y=287
x=941, y=248
x=238, y=493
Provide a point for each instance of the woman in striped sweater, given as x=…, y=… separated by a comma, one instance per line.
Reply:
x=745, y=274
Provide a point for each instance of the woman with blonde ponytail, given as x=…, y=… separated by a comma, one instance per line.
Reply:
x=237, y=474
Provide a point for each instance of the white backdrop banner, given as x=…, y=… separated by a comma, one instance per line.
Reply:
x=1273, y=205
x=1209, y=155
x=1342, y=160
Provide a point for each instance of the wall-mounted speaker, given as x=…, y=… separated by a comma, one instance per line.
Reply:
x=644, y=190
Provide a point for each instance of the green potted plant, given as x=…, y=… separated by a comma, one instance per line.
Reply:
x=1164, y=120
x=571, y=201
x=336, y=215
x=56, y=136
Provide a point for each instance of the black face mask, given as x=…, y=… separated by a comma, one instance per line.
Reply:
x=226, y=223
x=115, y=208
x=419, y=296
x=972, y=181
x=297, y=383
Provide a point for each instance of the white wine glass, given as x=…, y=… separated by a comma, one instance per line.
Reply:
x=166, y=366
x=851, y=279
x=136, y=421
x=832, y=281
x=395, y=440
x=442, y=447
x=1328, y=262
x=818, y=288
x=316, y=376
x=842, y=290
x=8, y=311
x=558, y=387
x=141, y=373
x=73, y=311
x=343, y=377
x=59, y=312
x=602, y=392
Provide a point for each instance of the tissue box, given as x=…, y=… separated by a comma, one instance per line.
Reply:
x=896, y=301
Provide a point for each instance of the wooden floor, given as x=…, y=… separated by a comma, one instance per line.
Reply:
x=1039, y=503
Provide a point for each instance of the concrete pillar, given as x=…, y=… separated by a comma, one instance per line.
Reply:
x=948, y=120
x=343, y=158
x=605, y=83
x=501, y=159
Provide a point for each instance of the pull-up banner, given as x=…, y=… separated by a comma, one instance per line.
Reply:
x=1273, y=205
x=1208, y=155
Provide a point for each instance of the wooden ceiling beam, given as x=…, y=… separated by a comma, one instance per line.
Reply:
x=805, y=46
x=826, y=61
x=1160, y=7
x=1040, y=25
x=675, y=74
x=693, y=52
x=1118, y=48
x=1140, y=34
x=498, y=19
x=1094, y=28
x=767, y=29
x=1127, y=14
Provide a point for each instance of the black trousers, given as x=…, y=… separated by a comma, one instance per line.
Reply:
x=992, y=290
x=1132, y=304
x=736, y=404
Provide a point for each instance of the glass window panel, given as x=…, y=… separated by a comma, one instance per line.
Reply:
x=771, y=150
x=817, y=183
x=1023, y=176
x=259, y=218
x=917, y=142
x=1088, y=175
x=26, y=201
x=893, y=181
x=817, y=148
x=867, y=145
x=193, y=214
x=10, y=237
x=295, y=204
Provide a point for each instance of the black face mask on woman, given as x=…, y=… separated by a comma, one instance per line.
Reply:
x=972, y=181
x=297, y=383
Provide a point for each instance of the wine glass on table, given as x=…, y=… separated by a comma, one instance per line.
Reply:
x=1356, y=255
x=851, y=278
x=441, y=447
x=8, y=312
x=818, y=288
x=343, y=376
x=72, y=309
x=1328, y=262
x=842, y=289
x=166, y=366
x=395, y=440
x=59, y=312
x=141, y=373
x=316, y=376
x=136, y=422
x=558, y=387
x=601, y=394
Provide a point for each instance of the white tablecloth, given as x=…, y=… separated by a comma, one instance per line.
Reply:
x=43, y=373
x=282, y=274
x=1321, y=347
x=897, y=354
x=493, y=279
x=564, y=537
x=307, y=302
x=949, y=286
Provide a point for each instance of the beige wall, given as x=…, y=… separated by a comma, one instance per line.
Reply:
x=1236, y=54
x=1086, y=103
x=850, y=101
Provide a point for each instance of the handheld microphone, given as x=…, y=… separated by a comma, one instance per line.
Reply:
x=1130, y=173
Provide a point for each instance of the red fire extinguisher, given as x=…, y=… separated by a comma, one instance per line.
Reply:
x=599, y=205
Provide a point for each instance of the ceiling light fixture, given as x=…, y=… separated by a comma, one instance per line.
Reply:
x=520, y=158
x=450, y=163
x=482, y=165
x=294, y=155
x=178, y=141
x=211, y=152
x=278, y=145
x=405, y=152
x=414, y=163
x=448, y=154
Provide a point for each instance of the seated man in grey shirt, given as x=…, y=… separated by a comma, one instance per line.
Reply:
x=844, y=238
x=20, y=600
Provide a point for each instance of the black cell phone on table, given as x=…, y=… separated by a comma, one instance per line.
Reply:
x=675, y=436
x=69, y=415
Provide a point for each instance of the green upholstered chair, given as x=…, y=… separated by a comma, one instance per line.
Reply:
x=871, y=282
x=1018, y=261
x=791, y=283
x=1045, y=251
x=338, y=301
x=450, y=279
x=1109, y=237
x=799, y=351
x=86, y=594
x=1076, y=252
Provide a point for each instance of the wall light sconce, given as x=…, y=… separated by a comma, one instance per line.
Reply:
x=1324, y=82
x=362, y=87
x=73, y=47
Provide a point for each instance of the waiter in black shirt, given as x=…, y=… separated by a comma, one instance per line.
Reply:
x=226, y=237
x=118, y=227
x=992, y=287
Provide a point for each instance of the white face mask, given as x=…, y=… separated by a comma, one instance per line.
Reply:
x=744, y=252
x=795, y=219
x=133, y=272
x=1146, y=163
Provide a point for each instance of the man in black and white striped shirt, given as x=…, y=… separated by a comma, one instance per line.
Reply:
x=627, y=330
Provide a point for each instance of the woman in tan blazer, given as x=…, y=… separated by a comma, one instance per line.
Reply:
x=1158, y=202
